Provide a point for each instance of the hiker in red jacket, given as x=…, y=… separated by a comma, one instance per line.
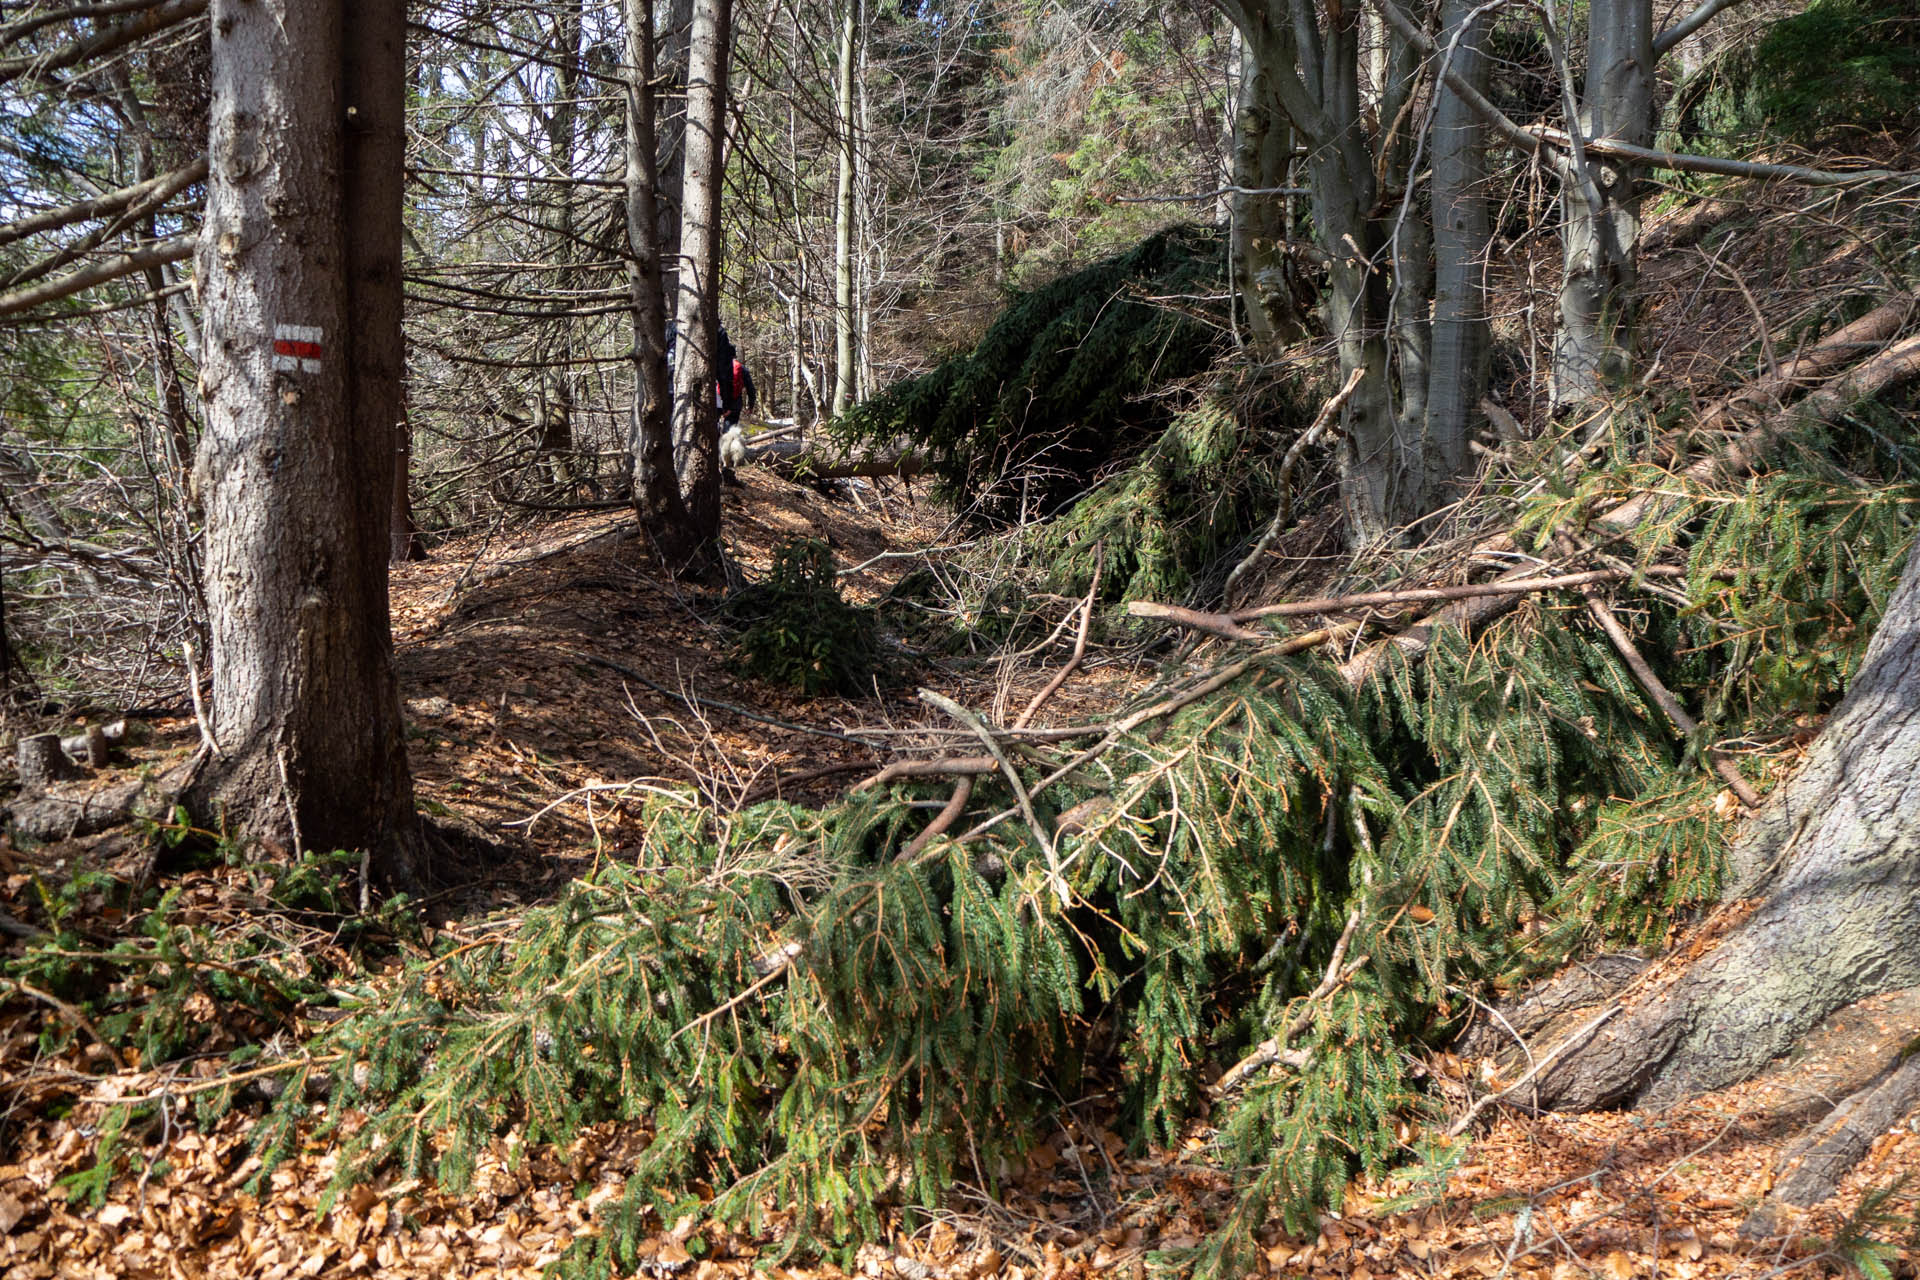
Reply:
x=734, y=386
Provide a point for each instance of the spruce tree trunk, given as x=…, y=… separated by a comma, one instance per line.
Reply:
x=656, y=486
x=1836, y=854
x=300, y=264
x=1592, y=350
x=696, y=435
x=671, y=47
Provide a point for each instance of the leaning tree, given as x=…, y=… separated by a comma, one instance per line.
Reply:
x=299, y=266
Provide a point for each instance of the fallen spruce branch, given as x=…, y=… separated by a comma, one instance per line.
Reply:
x=1603, y=616
x=974, y=722
x=1892, y=366
x=1226, y=625
x=1274, y=1048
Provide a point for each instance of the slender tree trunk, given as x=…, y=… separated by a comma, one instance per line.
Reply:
x=300, y=259
x=843, y=313
x=555, y=443
x=1838, y=852
x=1457, y=375
x=403, y=534
x=696, y=436
x=1593, y=348
x=1263, y=145
x=1343, y=201
x=671, y=49
x=656, y=486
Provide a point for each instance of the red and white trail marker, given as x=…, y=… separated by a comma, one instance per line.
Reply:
x=297, y=348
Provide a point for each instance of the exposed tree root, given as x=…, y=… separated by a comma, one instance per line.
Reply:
x=1837, y=1143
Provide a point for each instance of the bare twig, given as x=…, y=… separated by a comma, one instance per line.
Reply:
x=943, y=703
x=1079, y=645
x=1274, y=1048
x=65, y=1010
x=1307, y=439
x=955, y=806
x=1593, y=1024
x=1663, y=698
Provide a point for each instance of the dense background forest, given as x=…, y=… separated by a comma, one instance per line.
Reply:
x=1303, y=661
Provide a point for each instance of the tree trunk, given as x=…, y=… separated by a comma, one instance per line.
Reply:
x=1837, y=853
x=845, y=367
x=656, y=486
x=1457, y=375
x=670, y=52
x=696, y=435
x=1592, y=351
x=1263, y=272
x=300, y=259
x=403, y=535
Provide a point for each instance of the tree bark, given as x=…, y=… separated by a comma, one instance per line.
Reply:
x=656, y=485
x=300, y=259
x=1457, y=374
x=1839, y=855
x=1263, y=272
x=845, y=366
x=696, y=435
x=1592, y=351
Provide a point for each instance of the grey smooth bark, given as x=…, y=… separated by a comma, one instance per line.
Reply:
x=1836, y=854
x=1592, y=349
x=1380, y=266
x=845, y=362
x=1263, y=146
x=300, y=267
x=1461, y=233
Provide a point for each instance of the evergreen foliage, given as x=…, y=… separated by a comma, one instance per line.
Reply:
x=799, y=631
x=1056, y=389
x=1166, y=524
x=800, y=1019
x=1843, y=66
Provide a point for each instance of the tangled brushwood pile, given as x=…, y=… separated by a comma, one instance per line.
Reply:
x=1240, y=910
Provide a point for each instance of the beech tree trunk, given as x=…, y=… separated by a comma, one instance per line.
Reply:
x=300, y=269
x=845, y=365
x=1600, y=242
x=1457, y=372
x=1836, y=856
x=1264, y=276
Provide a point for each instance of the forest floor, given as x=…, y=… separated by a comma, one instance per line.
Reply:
x=550, y=675
x=542, y=675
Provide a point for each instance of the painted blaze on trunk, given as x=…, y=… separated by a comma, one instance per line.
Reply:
x=300, y=270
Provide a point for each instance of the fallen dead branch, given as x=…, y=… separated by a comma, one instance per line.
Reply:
x=1274, y=1048
x=1213, y=624
x=1079, y=645
x=1892, y=366
x=1307, y=439
x=1603, y=616
x=801, y=460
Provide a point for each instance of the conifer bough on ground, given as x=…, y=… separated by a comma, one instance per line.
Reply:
x=918, y=1014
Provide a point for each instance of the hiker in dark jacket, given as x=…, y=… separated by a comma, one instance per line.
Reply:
x=733, y=383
